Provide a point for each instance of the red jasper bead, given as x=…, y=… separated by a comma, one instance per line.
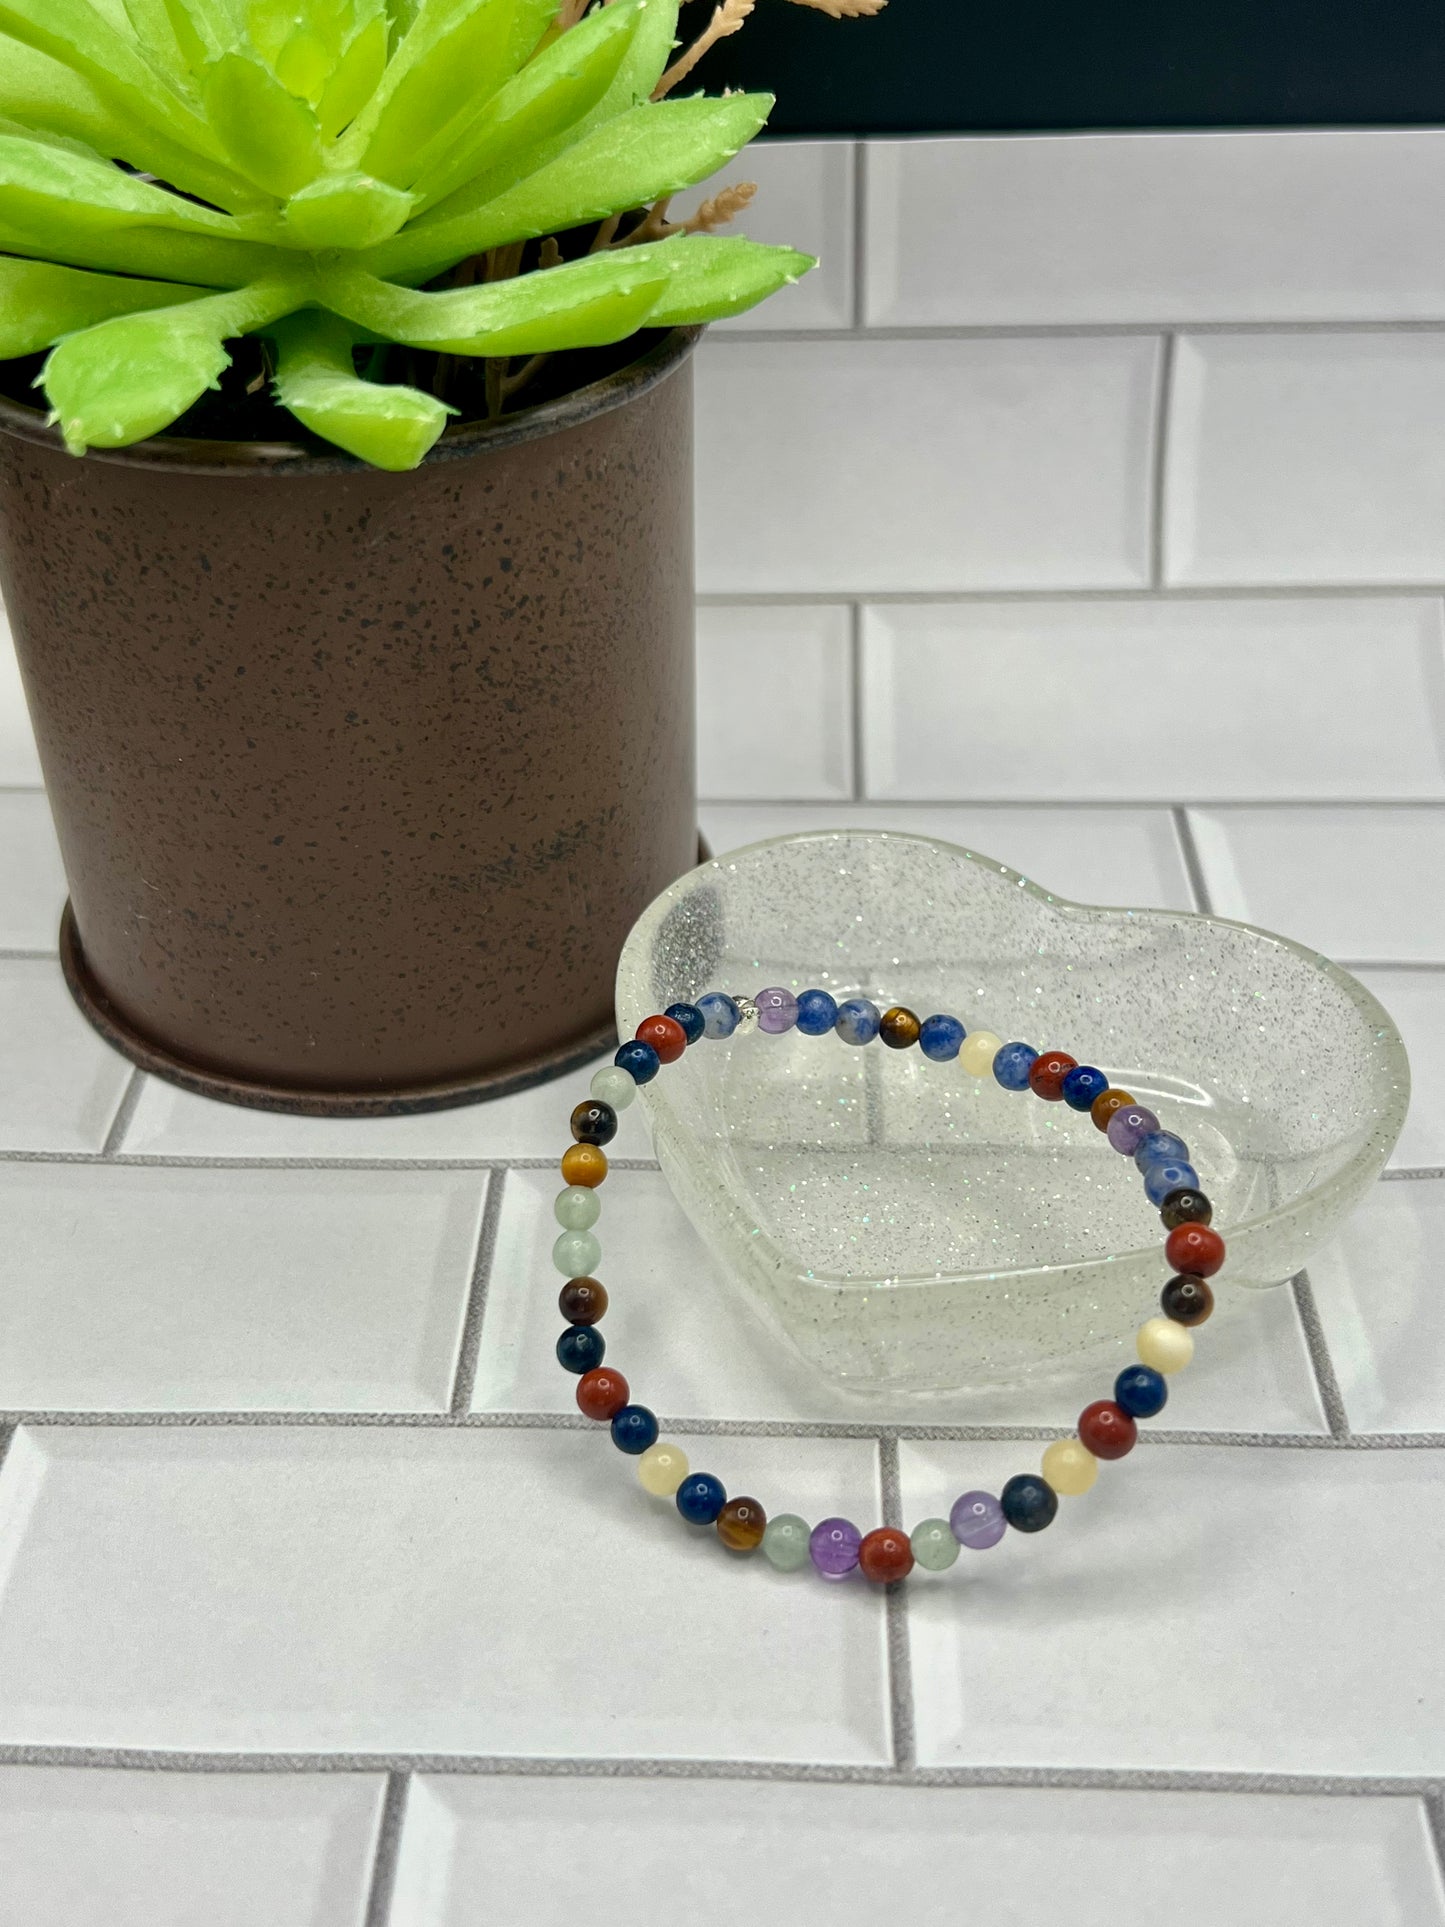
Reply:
x=1047, y=1074
x=666, y=1036
x=1107, y=1429
x=601, y=1394
x=1196, y=1249
x=885, y=1555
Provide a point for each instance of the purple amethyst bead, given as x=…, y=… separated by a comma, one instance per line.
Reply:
x=777, y=1010
x=833, y=1547
x=977, y=1520
x=1128, y=1128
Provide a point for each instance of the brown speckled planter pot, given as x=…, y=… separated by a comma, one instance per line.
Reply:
x=361, y=779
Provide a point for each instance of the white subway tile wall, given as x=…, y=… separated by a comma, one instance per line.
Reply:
x=1083, y=508
x=855, y=465
x=1109, y=229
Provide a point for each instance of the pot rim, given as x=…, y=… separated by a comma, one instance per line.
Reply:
x=249, y=459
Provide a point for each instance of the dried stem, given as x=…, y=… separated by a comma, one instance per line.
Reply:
x=727, y=19
x=845, y=9
x=716, y=212
x=604, y=235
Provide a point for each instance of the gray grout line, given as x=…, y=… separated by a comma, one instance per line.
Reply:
x=1425, y=591
x=1434, y=1805
x=1193, y=864
x=125, y=1111
x=179, y=1161
x=465, y=1380
x=499, y=1766
x=1105, y=805
x=1406, y=1175
x=1068, y=330
x=895, y=1613
x=858, y=290
x=1159, y=455
x=855, y=694
x=803, y=1429
x=16, y=954
x=1322, y=1365
x=388, y=1843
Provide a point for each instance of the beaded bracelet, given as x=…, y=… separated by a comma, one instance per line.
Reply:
x=1107, y=1429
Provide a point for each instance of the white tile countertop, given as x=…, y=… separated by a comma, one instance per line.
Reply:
x=1101, y=531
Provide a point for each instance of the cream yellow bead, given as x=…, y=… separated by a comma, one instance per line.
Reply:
x=977, y=1052
x=1070, y=1467
x=1164, y=1345
x=662, y=1469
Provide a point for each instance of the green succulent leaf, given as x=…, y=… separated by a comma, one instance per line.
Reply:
x=270, y=135
x=343, y=211
x=453, y=71
x=713, y=276
x=42, y=91
x=551, y=94
x=391, y=427
x=59, y=204
x=357, y=76
x=455, y=52
x=40, y=302
x=656, y=149
x=74, y=33
x=204, y=29
x=585, y=305
x=125, y=379
x=155, y=31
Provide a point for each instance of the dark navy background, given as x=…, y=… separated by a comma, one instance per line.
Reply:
x=932, y=66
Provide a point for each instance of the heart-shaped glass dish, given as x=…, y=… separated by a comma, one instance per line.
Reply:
x=910, y=1227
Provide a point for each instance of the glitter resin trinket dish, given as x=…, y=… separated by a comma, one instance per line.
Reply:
x=908, y=1224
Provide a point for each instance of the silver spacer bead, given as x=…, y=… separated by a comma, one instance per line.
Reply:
x=747, y=1013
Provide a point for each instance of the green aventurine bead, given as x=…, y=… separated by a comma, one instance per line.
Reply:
x=785, y=1542
x=577, y=1254
x=934, y=1546
x=577, y=1208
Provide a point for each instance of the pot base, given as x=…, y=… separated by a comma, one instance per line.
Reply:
x=395, y=1102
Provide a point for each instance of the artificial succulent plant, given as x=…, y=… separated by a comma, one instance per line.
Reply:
x=476, y=178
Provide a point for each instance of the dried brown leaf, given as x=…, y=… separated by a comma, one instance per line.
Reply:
x=723, y=207
x=727, y=19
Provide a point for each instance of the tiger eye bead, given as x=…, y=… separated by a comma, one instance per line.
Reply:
x=1105, y=1105
x=885, y=1555
x=594, y=1122
x=1185, y=1206
x=1188, y=1301
x=899, y=1028
x=1047, y=1074
x=741, y=1525
x=584, y=1165
x=583, y=1302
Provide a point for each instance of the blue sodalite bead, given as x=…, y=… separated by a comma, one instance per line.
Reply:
x=701, y=1498
x=1160, y=1147
x=1082, y=1085
x=940, y=1037
x=634, y=1429
x=580, y=1349
x=639, y=1060
x=1029, y=1502
x=720, y=1015
x=817, y=1013
x=857, y=1021
x=689, y=1017
x=1141, y=1391
x=1161, y=1179
x=1011, y=1065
